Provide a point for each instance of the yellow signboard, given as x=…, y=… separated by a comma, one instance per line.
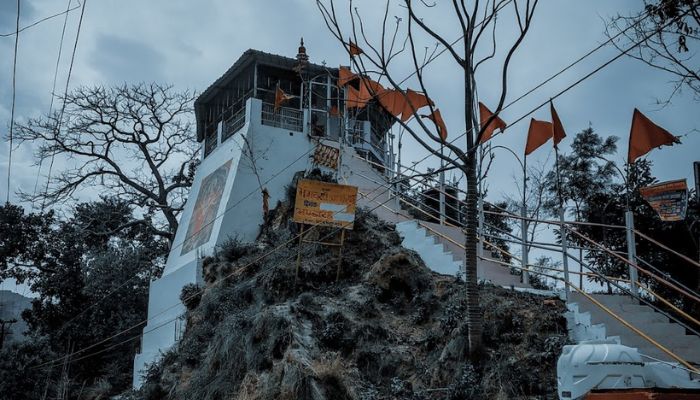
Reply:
x=326, y=204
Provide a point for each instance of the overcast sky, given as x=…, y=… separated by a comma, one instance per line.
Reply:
x=191, y=43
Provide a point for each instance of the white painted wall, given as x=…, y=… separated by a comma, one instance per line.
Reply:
x=278, y=155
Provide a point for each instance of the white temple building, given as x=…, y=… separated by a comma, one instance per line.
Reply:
x=248, y=146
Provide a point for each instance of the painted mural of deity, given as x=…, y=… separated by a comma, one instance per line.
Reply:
x=205, y=208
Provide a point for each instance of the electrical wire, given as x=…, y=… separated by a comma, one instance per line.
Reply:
x=569, y=66
x=565, y=90
x=204, y=226
x=14, y=95
x=69, y=357
x=65, y=95
x=53, y=90
x=40, y=21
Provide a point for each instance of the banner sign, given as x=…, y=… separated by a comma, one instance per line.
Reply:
x=668, y=199
x=327, y=156
x=326, y=204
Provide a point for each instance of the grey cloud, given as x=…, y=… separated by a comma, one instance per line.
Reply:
x=120, y=59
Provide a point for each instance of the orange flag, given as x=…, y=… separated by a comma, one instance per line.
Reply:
x=281, y=97
x=392, y=101
x=345, y=76
x=354, y=49
x=439, y=123
x=538, y=134
x=370, y=88
x=646, y=135
x=497, y=123
x=413, y=101
x=557, y=128
x=355, y=98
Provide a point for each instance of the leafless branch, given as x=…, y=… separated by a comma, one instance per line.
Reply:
x=135, y=142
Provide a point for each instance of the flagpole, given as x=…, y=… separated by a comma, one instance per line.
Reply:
x=480, y=249
x=342, y=133
x=523, y=225
x=442, y=186
x=631, y=245
x=562, y=229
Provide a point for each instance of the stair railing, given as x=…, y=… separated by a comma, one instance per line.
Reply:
x=676, y=286
x=580, y=290
x=610, y=312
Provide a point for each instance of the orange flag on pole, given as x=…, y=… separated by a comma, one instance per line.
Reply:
x=645, y=136
x=497, y=123
x=538, y=134
x=557, y=128
x=354, y=49
x=413, y=101
x=439, y=123
x=281, y=97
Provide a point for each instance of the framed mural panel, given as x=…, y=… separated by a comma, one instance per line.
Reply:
x=668, y=199
x=205, y=208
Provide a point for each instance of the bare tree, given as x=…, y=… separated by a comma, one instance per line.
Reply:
x=134, y=142
x=383, y=57
x=535, y=200
x=673, y=31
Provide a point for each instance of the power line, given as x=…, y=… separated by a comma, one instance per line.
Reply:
x=176, y=246
x=279, y=247
x=572, y=85
x=238, y=270
x=585, y=77
x=40, y=21
x=53, y=88
x=65, y=95
x=14, y=95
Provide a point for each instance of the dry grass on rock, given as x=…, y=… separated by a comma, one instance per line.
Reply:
x=389, y=329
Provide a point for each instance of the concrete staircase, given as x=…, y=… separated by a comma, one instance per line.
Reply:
x=433, y=253
x=587, y=321
x=445, y=256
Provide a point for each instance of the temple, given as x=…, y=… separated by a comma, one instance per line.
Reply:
x=252, y=145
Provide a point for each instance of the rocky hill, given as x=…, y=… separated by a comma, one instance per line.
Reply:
x=388, y=328
x=11, y=306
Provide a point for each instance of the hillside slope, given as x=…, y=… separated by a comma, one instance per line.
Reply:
x=388, y=329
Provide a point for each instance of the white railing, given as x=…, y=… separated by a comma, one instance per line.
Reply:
x=285, y=118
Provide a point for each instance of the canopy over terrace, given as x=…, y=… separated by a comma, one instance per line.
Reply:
x=313, y=88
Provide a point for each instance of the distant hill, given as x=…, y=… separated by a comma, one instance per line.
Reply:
x=11, y=306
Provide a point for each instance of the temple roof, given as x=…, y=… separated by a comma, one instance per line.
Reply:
x=249, y=57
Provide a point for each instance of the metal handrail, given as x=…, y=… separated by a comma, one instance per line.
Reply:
x=210, y=143
x=606, y=278
x=285, y=117
x=622, y=321
x=637, y=331
x=233, y=124
x=669, y=304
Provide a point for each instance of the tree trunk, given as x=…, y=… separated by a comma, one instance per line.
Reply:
x=474, y=316
x=172, y=224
